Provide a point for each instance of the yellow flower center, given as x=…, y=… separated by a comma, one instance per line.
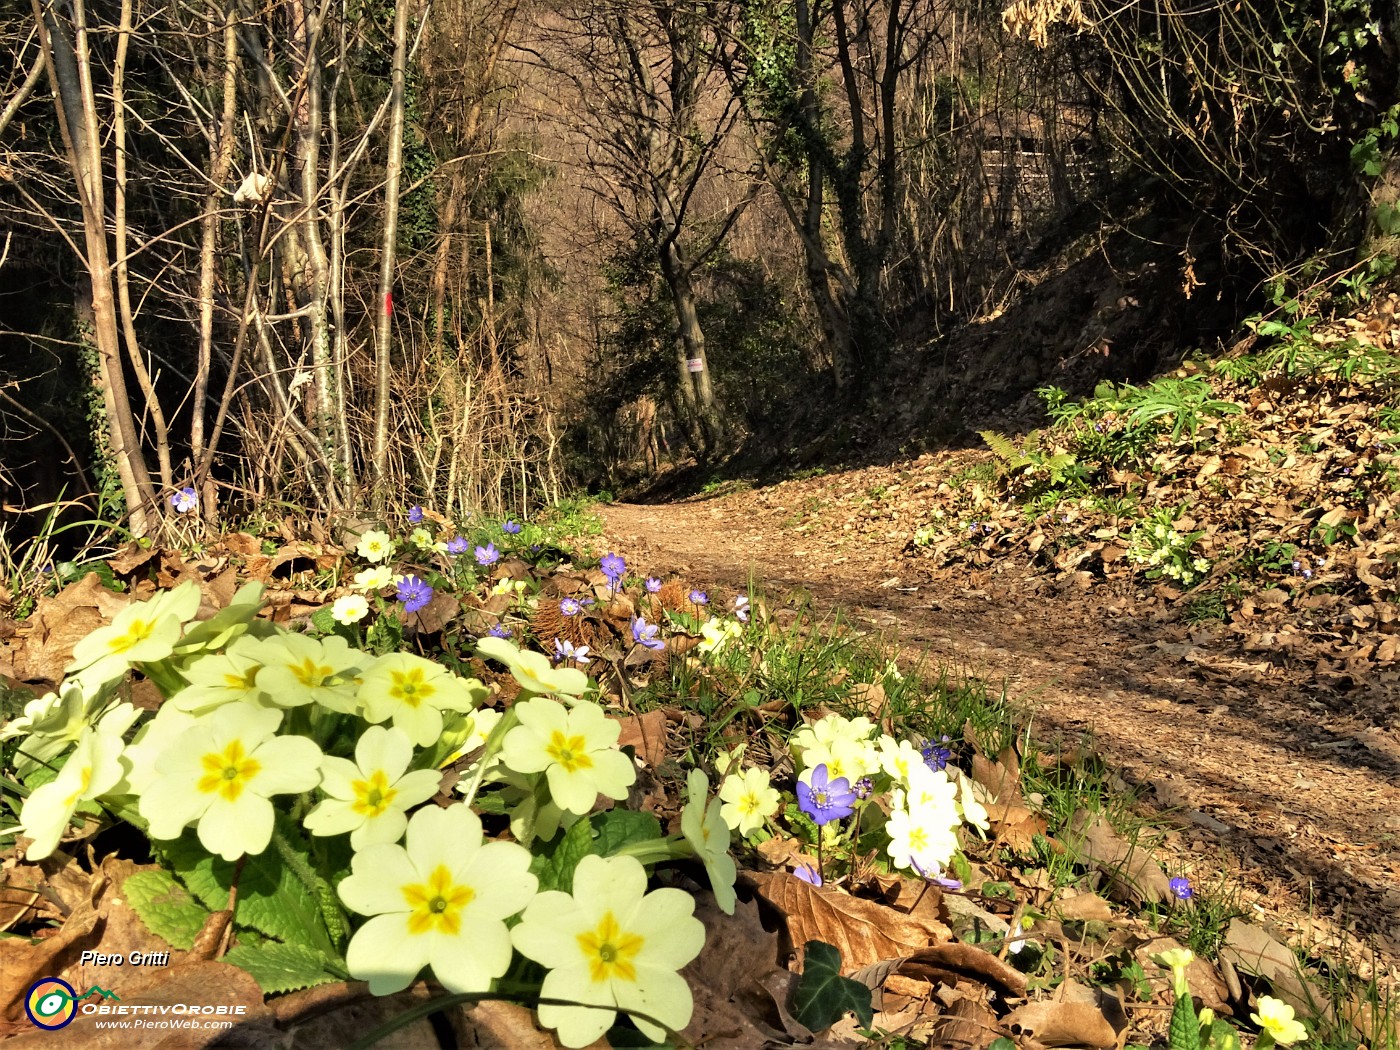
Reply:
x=311, y=674
x=228, y=772
x=84, y=780
x=410, y=688
x=610, y=951
x=750, y=804
x=247, y=680
x=918, y=840
x=569, y=752
x=436, y=905
x=136, y=633
x=372, y=796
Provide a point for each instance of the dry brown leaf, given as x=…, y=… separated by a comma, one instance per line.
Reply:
x=1254, y=952
x=864, y=932
x=646, y=733
x=438, y=613
x=955, y=961
x=1063, y=1024
x=1083, y=907
x=968, y=1023
x=1131, y=871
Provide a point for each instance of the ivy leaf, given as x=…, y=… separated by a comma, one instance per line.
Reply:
x=823, y=995
x=165, y=907
x=280, y=967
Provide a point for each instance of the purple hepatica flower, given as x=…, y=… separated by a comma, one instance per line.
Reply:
x=457, y=545
x=935, y=754
x=825, y=800
x=613, y=567
x=510, y=528
x=936, y=875
x=645, y=634
x=1297, y=565
x=414, y=593
x=184, y=500
x=807, y=873
x=699, y=598
x=1307, y=574
x=569, y=606
x=415, y=515
x=568, y=651
x=864, y=786
x=1181, y=889
x=499, y=631
x=741, y=608
x=653, y=585
x=487, y=555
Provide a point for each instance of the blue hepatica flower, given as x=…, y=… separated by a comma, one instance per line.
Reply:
x=935, y=755
x=457, y=545
x=569, y=651
x=414, y=593
x=415, y=515
x=569, y=606
x=184, y=500
x=487, y=555
x=825, y=800
x=653, y=585
x=698, y=597
x=613, y=567
x=741, y=608
x=645, y=634
x=499, y=631
x=510, y=528
x=1181, y=889
x=807, y=873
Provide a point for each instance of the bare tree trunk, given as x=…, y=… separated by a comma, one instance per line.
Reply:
x=384, y=327
x=76, y=107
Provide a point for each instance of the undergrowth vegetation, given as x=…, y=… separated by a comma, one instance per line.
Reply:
x=474, y=754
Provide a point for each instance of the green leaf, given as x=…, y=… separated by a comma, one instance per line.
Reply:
x=823, y=996
x=1003, y=1043
x=621, y=827
x=576, y=844
x=280, y=967
x=323, y=620
x=165, y=907
x=1184, y=1033
x=271, y=899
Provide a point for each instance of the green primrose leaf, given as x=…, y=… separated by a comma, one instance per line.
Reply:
x=280, y=967
x=621, y=827
x=165, y=907
x=823, y=996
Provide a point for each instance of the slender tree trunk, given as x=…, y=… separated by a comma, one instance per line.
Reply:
x=384, y=327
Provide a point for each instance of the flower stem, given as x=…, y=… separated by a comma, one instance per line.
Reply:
x=493, y=746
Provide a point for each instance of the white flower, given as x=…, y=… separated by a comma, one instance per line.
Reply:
x=299, y=670
x=375, y=579
x=830, y=729
x=221, y=772
x=851, y=759
x=441, y=901
x=748, y=800
x=349, y=608
x=143, y=632
x=54, y=722
x=370, y=796
x=726, y=761
x=374, y=546
x=708, y=835
x=152, y=739
x=898, y=757
x=421, y=538
x=229, y=677
x=611, y=946
x=414, y=692
x=971, y=808
x=91, y=770
x=920, y=841
x=531, y=669
x=928, y=789
x=575, y=749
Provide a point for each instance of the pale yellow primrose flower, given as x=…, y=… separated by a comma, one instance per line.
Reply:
x=897, y=757
x=533, y=670
x=826, y=731
x=91, y=770
x=748, y=800
x=927, y=790
x=922, y=841
x=349, y=608
x=708, y=835
x=54, y=722
x=299, y=670
x=480, y=723
x=414, y=692
x=421, y=538
x=508, y=586
x=230, y=677
x=152, y=739
x=715, y=633
x=1276, y=1017
x=971, y=808
x=1177, y=960
x=374, y=546
x=576, y=749
x=143, y=632
x=611, y=946
x=369, y=797
x=221, y=772
x=375, y=579
x=851, y=759
x=441, y=900
x=728, y=761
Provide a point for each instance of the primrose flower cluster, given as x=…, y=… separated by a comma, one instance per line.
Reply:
x=1166, y=552
x=266, y=736
x=847, y=769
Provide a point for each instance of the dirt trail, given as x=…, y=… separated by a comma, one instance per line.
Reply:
x=1298, y=802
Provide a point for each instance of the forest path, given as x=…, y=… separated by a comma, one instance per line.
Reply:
x=1299, y=804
